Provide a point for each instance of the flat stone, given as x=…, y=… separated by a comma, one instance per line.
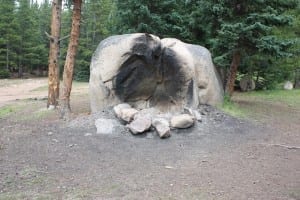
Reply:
x=162, y=127
x=105, y=126
x=182, y=121
x=140, y=124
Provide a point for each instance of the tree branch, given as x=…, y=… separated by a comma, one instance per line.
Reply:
x=49, y=36
x=63, y=38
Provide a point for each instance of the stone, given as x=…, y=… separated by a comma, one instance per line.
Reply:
x=162, y=127
x=195, y=113
x=247, y=84
x=127, y=114
x=139, y=125
x=117, y=109
x=105, y=126
x=288, y=85
x=51, y=107
x=149, y=72
x=182, y=121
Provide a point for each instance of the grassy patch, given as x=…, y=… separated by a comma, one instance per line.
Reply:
x=290, y=97
x=8, y=110
x=232, y=108
x=244, y=105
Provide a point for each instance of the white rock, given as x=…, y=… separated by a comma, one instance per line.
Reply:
x=288, y=85
x=127, y=114
x=50, y=133
x=105, y=126
x=182, y=121
x=161, y=125
x=140, y=124
x=195, y=113
x=51, y=107
x=119, y=107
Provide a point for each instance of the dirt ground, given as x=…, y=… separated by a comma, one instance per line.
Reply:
x=42, y=157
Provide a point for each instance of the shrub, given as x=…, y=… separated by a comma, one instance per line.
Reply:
x=4, y=74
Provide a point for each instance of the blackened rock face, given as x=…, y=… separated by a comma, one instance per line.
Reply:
x=154, y=74
x=172, y=88
x=137, y=77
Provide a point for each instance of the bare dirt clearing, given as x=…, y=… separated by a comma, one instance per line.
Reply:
x=42, y=157
x=21, y=89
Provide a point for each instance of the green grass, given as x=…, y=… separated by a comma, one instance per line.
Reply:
x=290, y=97
x=8, y=110
x=233, y=108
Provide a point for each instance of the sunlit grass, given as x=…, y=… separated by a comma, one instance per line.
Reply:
x=232, y=106
x=290, y=97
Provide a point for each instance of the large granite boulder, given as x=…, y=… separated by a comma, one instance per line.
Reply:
x=144, y=71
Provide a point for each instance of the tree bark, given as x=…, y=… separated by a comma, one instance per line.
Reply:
x=7, y=57
x=53, y=67
x=236, y=59
x=70, y=59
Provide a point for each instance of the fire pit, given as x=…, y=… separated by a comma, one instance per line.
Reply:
x=146, y=72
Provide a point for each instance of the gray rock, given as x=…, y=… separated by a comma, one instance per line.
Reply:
x=105, y=126
x=135, y=74
x=182, y=121
x=288, y=85
x=140, y=124
x=247, y=84
x=162, y=127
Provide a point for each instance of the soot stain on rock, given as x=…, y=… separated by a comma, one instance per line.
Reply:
x=137, y=76
x=153, y=73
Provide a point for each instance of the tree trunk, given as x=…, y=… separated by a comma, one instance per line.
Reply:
x=70, y=59
x=7, y=57
x=53, y=68
x=236, y=59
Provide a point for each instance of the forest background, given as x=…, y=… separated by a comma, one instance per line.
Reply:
x=265, y=33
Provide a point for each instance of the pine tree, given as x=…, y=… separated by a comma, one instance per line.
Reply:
x=241, y=28
x=70, y=59
x=26, y=30
x=168, y=18
x=53, y=67
x=94, y=28
x=8, y=26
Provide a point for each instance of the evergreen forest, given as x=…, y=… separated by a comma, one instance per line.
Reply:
x=262, y=35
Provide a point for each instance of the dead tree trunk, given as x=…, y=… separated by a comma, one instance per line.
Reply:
x=70, y=59
x=236, y=59
x=53, y=68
